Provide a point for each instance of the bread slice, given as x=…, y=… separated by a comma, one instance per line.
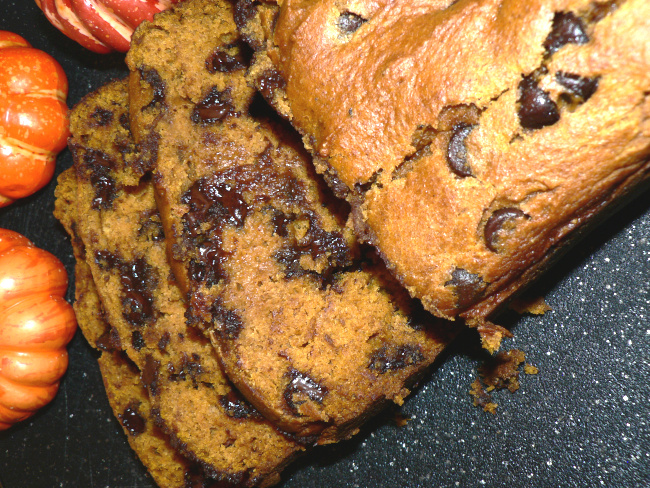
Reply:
x=118, y=224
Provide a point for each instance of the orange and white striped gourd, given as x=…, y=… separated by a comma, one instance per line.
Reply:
x=33, y=117
x=36, y=325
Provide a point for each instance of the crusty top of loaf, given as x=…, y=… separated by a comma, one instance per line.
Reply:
x=471, y=137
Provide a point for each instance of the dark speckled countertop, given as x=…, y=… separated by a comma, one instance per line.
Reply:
x=583, y=421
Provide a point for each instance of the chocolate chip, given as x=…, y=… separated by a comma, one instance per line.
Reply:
x=222, y=62
x=215, y=106
x=133, y=421
x=567, y=29
x=153, y=79
x=109, y=340
x=467, y=286
x=124, y=121
x=269, y=83
x=137, y=341
x=245, y=11
x=101, y=117
x=227, y=322
x=348, y=22
x=318, y=244
x=98, y=165
x=457, y=150
x=301, y=388
x=237, y=407
x=579, y=88
x=151, y=227
x=495, y=224
x=137, y=279
x=207, y=267
x=163, y=342
x=280, y=223
x=188, y=367
x=149, y=374
x=217, y=199
x=536, y=109
x=289, y=257
x=393, y=358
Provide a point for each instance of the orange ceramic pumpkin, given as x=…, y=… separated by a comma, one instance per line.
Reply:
x=33, y=117
x=37, y=324
x=101, y=25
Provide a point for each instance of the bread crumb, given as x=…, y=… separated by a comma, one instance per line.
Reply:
x=498, y=373
x=534, y=306
x=530, y=369
x=491, y=335
x=400, y=419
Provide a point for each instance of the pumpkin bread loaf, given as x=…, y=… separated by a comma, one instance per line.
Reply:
x=314, y=332
x=473, y=139
x=125, y=250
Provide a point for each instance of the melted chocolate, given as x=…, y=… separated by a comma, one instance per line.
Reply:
x=467, y=286
x=316, y=243
x=270, y=82
x=124, y=121
x=189, y=367
x=393, y=358
x=163, y=342
x=153, y=79
x=151, y=227
x=137, y=341
x=228, y=322
x=137, y=279
x=99, y=165
x=218, y=201
x=109, y=341
x=149, y=375
x=222, y=62
x=237, y=407
x=214, y=107
x=300, y=386
x=133, y=421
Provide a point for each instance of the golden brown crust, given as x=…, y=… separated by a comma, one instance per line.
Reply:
x=472, y=138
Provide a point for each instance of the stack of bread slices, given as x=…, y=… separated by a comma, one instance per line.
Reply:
x=238, y=320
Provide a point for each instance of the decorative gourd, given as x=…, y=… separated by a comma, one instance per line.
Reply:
x=101, y=25
x=37, y=324
x=33, y=115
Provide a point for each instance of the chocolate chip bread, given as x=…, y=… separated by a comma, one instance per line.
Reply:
x=126, y=394
x=125, y=250
x=315, y=334
x=473, y=139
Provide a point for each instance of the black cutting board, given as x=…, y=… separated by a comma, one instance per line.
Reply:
x=583, y=421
